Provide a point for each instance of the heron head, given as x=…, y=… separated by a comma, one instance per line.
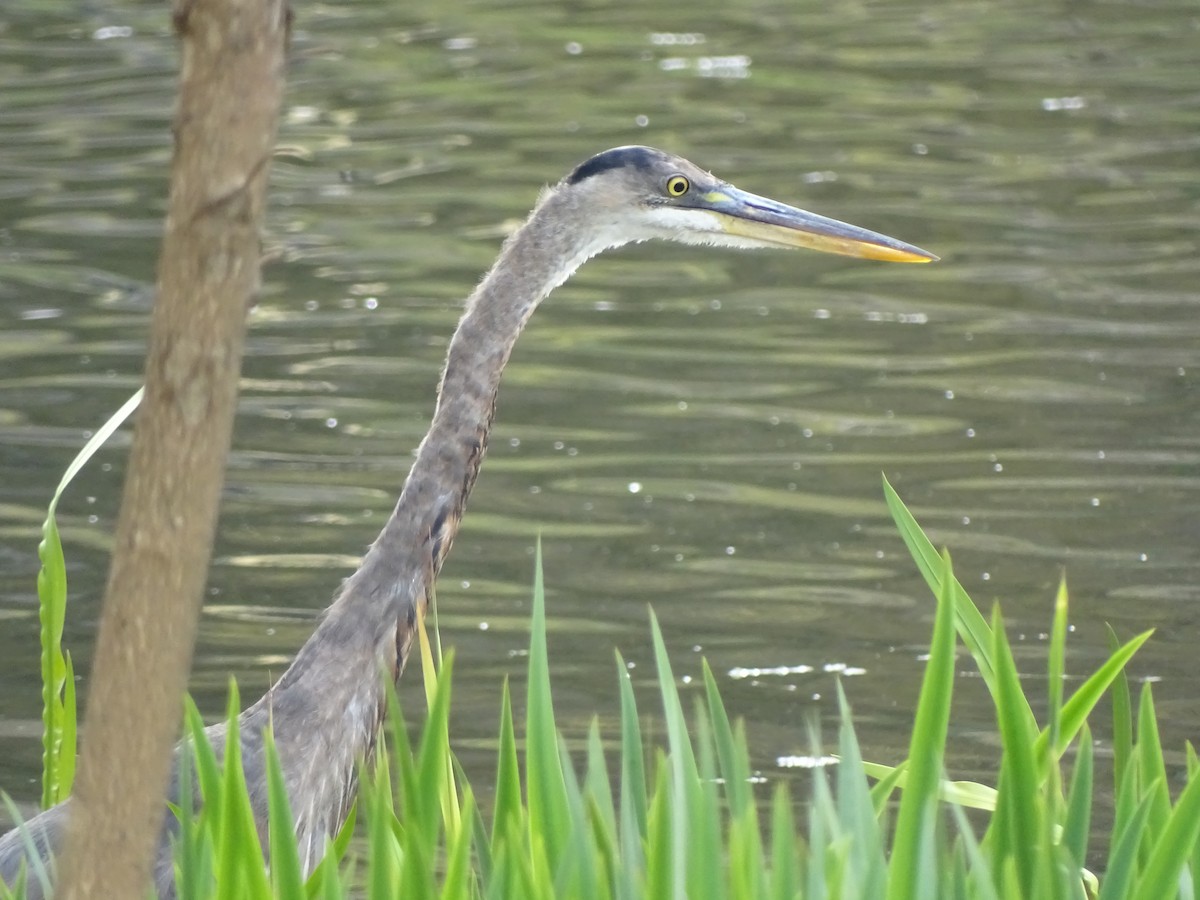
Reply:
x=638, y=193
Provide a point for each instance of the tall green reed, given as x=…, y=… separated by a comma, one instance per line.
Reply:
x=686, y=819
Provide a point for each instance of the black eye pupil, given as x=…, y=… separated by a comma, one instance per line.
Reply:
x=677, y=186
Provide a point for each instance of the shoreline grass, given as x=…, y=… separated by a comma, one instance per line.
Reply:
x=684, y=818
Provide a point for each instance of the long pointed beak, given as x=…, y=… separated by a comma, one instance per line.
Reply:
x=769, y=222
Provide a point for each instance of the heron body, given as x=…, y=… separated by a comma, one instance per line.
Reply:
x=326, y=709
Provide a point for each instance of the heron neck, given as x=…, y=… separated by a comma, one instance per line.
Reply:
x=407, y=555
x=332, y=690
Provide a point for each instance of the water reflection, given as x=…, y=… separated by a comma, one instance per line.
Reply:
x=1033, y=396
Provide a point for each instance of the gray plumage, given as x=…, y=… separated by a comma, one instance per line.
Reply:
x=327, y=707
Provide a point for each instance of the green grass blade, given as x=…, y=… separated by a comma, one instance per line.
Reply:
x=413, y=801
x=1078, y=821
x=1152, y=770
x=829, y=843
x=578, y=874
x=611, y=875
x=1057, y=670
x=52, y=606
x=437, y=764
x=95, y=442
x=238, y=856
x=979, y=875
x=734, y=767
x=596, y=781
x=59, y=723
x=433, y=766
x=1193, y=773
x=207, y=770
x=659, y=844
x=816, y=880
x=1122, y=711
x=1173, y=849
x=1122, y=860
x=544, y=782
x=887, y=778
x=970, y=794
x=972, y=627
x=682, y=762
x=912, y=849
x=785, y=854
x=384, y=851
x=706, y=847
x=633, y=767
x=68, y=732
x=508, y=774
x=855, y=810
x=456, y=885
x=287, y=879
x=1019, y=788
x=480, y=842
x=187, y=846
x=1080, y=705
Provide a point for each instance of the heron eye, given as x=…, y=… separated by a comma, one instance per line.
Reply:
x=677, y=185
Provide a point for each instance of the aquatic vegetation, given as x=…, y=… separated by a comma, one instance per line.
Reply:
x=687, y=819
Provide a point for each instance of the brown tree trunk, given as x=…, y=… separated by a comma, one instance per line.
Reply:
x=233, y=58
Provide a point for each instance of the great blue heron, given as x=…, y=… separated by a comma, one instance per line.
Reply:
x=327, y=707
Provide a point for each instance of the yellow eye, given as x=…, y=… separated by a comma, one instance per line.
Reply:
x=677, y=186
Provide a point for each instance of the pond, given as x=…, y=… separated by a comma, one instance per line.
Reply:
x=701, y=431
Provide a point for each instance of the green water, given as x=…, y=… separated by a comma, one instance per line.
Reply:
x=703, y=431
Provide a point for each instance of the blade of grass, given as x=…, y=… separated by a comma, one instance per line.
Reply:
x=633, y=768
x=287, y=879
x=578, y=875
x=52, y=607
x=659, y=878
x=596, y=781
x=970, y=794
x=1122, y=860
x=1078, y=822
x=440, y=765
x=681, y=760
x=1152, y=769
x=978, y=871
x=971, y=626
x=433, y=768
x=238, y=856
x=1079, y=706
x=785, y=871
x=1122, y=711
x=507, y=804
x=484, y=864
x=59, y=715
x=544, y=783
x=1018, y=790
x=706, y=847
x=912, y=848
x=384, y=853
x=457, y=882
x=856, y=812
x=1057, y=669
x=734, y=769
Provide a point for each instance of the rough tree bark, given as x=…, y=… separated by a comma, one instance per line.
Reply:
x=233, y=59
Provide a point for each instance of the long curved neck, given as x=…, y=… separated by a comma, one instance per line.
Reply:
x=326, y=708
x=395, y=575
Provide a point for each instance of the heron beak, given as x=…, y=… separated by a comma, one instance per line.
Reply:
x=770, y=223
